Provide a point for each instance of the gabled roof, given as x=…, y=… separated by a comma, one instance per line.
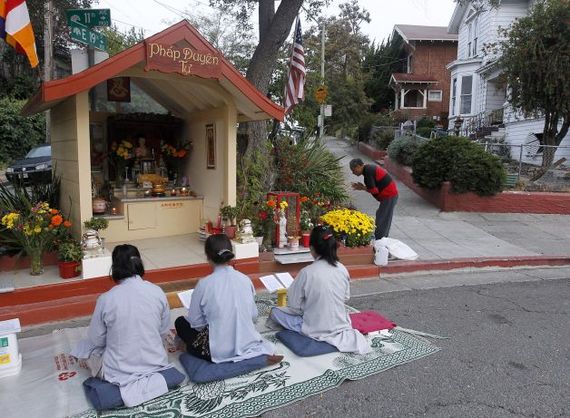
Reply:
x=401, y=78
x=424, y=33
x=457, y=16
x=178, y=93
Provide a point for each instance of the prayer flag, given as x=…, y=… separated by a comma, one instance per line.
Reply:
x=16, y=29
x=295, y=88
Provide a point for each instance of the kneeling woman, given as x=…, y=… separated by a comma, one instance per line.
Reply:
x=315, y=300
x=220, y=322
x=124, y=340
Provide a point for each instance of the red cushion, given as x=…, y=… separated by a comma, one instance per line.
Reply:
x=370, y=321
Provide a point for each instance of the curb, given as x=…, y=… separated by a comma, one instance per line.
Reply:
x=35, y=309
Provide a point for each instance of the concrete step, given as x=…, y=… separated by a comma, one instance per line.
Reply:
x=292, y=256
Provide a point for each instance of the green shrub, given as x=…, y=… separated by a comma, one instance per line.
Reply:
x=425, y=123
x=368, y=120
x=403, y=149
x=462, y=162
x=381, y=138
x=18, y=134
x=424, y=132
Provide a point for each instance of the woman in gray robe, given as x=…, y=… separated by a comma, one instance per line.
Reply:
x=220, y=326
x=124, y=343
x=316, y=299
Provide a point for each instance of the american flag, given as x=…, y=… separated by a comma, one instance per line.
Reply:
x=295, y=88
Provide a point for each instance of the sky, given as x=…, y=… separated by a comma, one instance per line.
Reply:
x=153, y=15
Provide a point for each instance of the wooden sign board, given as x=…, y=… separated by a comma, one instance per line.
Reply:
x=182, y=60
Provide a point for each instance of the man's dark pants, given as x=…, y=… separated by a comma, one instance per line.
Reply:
x=384, y=217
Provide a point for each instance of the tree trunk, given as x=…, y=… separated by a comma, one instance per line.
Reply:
x=551, y=138
x=274, y=26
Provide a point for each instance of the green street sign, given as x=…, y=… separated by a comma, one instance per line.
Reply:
x=84, y=35
x=89, y=17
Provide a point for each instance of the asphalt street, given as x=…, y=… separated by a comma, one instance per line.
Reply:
x=507, y=354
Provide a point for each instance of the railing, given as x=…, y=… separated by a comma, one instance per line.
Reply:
x=472, y=125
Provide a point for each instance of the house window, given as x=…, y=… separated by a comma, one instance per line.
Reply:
x=409, y=64
x=435, y=95
x=466, y=89
x=472, y=37
x=413, y=99
x=453, y=95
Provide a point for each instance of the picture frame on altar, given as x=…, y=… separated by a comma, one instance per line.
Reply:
x=210, y=147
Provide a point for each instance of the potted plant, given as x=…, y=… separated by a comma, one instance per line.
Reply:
x=70, y=255
x=96, y=224
x=229, y=214
x=306, y=225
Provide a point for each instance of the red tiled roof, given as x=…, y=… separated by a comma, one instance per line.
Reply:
x=413, y=78
x=424, y=33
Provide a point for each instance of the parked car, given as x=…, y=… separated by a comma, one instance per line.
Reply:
x=35, y=167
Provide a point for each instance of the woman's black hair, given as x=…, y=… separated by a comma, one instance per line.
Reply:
x=219, y=249
x=127, y=262
x=324, y=243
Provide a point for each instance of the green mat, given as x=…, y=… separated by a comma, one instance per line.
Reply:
x=296, y=378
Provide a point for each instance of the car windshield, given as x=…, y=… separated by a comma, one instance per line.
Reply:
x=39, y=152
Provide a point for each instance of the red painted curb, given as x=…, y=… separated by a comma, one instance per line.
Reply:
x=65, y=301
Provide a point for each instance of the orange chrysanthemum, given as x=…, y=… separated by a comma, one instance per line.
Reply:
x=271, y=203
x=67, y=224
x=54, y=211
x=56, y=220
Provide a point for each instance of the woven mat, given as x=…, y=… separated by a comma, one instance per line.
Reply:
x=50, y=381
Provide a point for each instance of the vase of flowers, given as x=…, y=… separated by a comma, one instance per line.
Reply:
x=351, y=227
x=120, y=156
x=36, y=229
x=173, y=158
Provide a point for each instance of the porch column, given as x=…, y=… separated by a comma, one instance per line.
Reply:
x=71, y=155
x=402, y=94
x=230, y=163
x=395, y=100
x=425, y=98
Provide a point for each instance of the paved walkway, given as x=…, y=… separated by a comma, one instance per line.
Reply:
x=437, y=235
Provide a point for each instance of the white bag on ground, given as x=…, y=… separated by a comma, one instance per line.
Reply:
x=380, y=253
x=397, y=248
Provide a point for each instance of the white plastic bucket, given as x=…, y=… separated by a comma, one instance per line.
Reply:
x=10, y=358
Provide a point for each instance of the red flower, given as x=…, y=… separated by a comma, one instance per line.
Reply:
x=67, y=224
x=56, y=220
x=271, y=203
x=263, y=215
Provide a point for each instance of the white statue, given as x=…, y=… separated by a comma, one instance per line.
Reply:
x=245, y=234
x=282, y=229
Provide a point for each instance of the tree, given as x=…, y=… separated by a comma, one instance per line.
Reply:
x=14, y=67
x=274, y=27
x=118, y=41
x=379, y=64
x=535, y=61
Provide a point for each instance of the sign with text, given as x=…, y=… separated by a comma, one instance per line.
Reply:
x=84, y=35
x=182, y=60
x=89, y=17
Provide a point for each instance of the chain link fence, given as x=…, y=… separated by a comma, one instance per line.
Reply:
x=525, y=171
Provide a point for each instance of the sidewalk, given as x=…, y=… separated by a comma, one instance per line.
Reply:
x=436, y=235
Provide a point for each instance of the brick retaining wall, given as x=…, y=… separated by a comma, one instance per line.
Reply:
x=505, y=202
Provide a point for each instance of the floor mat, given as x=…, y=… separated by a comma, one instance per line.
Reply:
x=50, y=382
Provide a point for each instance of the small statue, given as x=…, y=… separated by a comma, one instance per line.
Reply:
x=245, y=233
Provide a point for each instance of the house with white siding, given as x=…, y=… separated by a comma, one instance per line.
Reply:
x=477, y=97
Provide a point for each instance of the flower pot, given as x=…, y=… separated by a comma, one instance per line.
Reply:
x=305, y=239
x=69, y=269
x=99, y=205
x=294, y=243
x=259, y=240
x=230, y=231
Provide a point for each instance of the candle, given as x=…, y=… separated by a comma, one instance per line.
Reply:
x=113, y=211
x=173, y=192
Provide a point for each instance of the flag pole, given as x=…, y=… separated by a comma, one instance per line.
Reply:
x=322, y=115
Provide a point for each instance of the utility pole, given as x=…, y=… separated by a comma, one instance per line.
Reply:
x=322, y=114
x=48, y=56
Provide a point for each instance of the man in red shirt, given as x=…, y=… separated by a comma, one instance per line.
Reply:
x=380, y=185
